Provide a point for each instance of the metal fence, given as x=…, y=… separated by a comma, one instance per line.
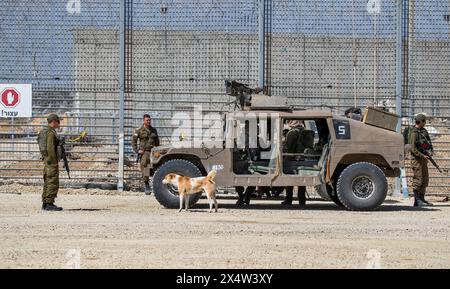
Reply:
x=39, y=46
x=178, y=53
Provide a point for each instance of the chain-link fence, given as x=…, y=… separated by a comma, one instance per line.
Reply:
x=429, y=72
x=40, y=45
x=320, y=54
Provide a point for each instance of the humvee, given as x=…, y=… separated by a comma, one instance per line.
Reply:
x=346, y=160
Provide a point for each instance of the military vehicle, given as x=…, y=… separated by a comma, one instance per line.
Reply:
x=346, y=160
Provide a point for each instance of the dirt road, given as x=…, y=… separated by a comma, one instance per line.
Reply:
x=133, y=230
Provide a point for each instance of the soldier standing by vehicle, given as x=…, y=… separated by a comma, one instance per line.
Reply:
x=148, y=138
x=421, y=151
x=295, y=145
x=48, y=143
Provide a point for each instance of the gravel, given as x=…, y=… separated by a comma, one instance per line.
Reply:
x=104, y=229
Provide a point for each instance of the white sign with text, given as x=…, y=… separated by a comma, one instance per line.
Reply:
x=15, y=100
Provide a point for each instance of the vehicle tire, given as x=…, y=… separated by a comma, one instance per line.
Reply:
x=362, y=187
x=333, y=195
x=167, y=195
x=321, y=190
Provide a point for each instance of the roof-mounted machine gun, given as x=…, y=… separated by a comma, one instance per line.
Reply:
x=249, y=98
x=242, y=92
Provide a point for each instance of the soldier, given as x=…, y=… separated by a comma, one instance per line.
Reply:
x=148, y=139
x=48, y=142
x=295, y=145
x=421, y=150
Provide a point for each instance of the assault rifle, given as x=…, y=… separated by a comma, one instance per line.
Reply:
x=442, y=171
x=61, y=150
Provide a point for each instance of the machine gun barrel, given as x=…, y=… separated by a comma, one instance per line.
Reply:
x=242, y=92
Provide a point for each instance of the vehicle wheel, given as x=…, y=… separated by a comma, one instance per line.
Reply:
x=333, y=195
x=167, y=195
x=321, y=190
x=362, y=186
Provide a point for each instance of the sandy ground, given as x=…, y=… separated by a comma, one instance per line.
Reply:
x=98, y=229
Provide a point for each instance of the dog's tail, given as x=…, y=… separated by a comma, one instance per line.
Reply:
x=211, y=175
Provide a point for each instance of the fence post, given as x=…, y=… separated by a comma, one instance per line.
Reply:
x=398, y=87
x=261, y=44
x=121, y=96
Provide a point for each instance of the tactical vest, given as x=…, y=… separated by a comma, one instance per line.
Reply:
x=42, y=142
x=148, y=138
x=406, y=133
x=423, y=141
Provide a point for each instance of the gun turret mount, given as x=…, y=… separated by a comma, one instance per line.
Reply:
x=249, y=98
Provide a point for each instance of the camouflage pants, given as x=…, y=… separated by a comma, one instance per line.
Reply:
x=51, y=183
x=145, y=161
x=420, y=174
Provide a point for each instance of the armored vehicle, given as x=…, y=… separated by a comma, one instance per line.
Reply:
x=346, y=160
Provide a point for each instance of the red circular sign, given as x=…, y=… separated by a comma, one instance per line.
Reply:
x=10, y=97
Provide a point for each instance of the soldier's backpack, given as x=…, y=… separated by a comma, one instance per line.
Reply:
x=406, y=134
x=42, y=142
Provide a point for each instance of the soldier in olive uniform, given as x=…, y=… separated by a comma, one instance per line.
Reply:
x=295, y=145
x=144, y=139
x=421, y=150
x=48, y=142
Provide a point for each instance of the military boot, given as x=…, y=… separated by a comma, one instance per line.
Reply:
x=287, y=201
x=239, y=202
x=288, y=198
x=248, y=194
x=240, y=192
x=147, y=188
x=422, y=198
x=417, y=201
x=51, y=207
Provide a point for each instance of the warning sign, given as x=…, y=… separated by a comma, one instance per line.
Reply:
x=15, y=100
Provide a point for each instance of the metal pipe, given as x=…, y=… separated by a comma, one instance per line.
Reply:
x=121, y=96
x=261, y=44
x=399, y=185
x=410, y=67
